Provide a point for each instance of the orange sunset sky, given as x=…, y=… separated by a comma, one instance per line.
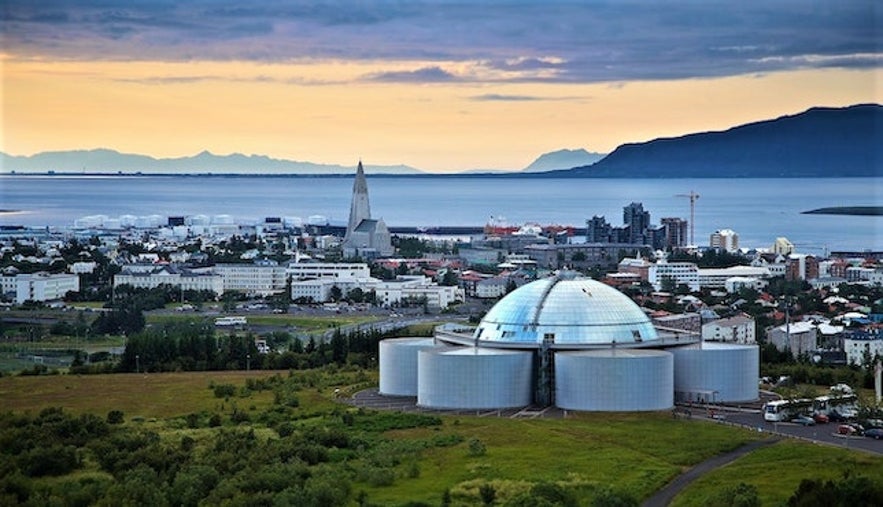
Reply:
x=439, y=86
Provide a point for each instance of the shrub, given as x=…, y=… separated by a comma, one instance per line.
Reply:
x=192, y=420
x=115, y=417
x=54, y=460
x=477, y=447
x=224, y=390
x=214, y=421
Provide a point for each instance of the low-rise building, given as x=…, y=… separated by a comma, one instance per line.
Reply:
x=180, y=278
x=82, y=268
x=738, y=329
x=686, y=273
x=44, y=286
x=416, y=288
x=328, y=270
x=258, y=279
x=714, y=278
x=798, y=337
x=858, y=344
x=690, y=322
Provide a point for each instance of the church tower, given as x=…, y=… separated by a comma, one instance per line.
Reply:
x=359, y=207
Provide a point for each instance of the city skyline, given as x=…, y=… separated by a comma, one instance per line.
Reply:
x=438, y=86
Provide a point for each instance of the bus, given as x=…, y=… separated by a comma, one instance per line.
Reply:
x=785, y=410
x=230, y=321
x=844, y=404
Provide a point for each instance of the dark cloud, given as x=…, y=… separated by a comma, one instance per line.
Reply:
x=496, y=97
x=424, y=75
x=566, y=40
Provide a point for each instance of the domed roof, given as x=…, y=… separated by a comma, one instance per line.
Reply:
x=566, y=310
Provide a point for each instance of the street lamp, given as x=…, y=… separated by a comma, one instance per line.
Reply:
x=137, y=363
x=247, y=362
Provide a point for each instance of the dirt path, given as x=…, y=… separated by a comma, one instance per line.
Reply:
x=664, y=496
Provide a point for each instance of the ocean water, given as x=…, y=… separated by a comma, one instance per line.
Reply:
x=759, y=210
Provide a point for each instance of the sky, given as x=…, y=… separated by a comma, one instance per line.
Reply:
x=442, y=86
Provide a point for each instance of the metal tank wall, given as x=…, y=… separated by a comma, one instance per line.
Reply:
x=614, y=380
x=474, y=378
x=398, y=365
x=731, y=370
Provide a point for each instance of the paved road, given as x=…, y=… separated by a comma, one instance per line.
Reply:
x=821, y=433
x=665, y=495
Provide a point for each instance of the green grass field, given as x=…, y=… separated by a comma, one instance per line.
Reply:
x=302, y=323
x=149, y=395
x=635, y=453
x=776, y=471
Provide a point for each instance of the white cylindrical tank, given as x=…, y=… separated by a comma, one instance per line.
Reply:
x=717, y=371
x=614, y=380
x=398, y=365
x=474, y=378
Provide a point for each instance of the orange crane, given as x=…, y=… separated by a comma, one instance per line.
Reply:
x=693, y=196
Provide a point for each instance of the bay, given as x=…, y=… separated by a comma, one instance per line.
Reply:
x=759, y=210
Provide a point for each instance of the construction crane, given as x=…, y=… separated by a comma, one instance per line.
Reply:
x=693, y=196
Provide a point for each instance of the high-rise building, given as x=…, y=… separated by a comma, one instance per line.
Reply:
x=783, y=247
x=637, y=220
x=365, y=237
x=675, y=232
x=597, y=230
x=725, y=239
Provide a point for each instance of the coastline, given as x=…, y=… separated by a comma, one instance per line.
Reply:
x=858, y=211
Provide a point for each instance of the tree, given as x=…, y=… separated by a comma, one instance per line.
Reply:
x=336, y=293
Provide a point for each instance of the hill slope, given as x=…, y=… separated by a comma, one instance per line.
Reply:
x=820, y=142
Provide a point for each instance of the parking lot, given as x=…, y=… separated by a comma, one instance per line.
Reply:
x=823, y=433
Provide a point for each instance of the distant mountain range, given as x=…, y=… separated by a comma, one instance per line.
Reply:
x=563, y=159
x=110, y=161
x=820, y=142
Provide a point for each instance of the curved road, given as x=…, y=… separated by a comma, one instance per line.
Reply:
x=665, y=495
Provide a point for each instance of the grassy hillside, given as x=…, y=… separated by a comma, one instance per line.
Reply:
x=296, y=441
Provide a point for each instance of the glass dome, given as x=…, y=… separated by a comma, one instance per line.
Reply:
x=566, y=311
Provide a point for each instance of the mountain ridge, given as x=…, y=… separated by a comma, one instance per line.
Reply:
x=819, y=142
x=107, y=161
x=563, y=159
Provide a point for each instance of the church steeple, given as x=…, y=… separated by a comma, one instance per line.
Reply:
x=360, y=209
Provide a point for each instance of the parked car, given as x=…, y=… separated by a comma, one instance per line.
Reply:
x=850, y=429
x=835, y=416
x=820, y=418
x=845, y=429
x=872, y=423
x=875, y=433
x=804, y=420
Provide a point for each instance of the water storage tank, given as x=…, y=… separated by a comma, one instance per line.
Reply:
x=398, y=365
x=474, y=378
x=614, y=380
x=711, y=371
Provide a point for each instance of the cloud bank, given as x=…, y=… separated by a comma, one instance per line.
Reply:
x=556, y=41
